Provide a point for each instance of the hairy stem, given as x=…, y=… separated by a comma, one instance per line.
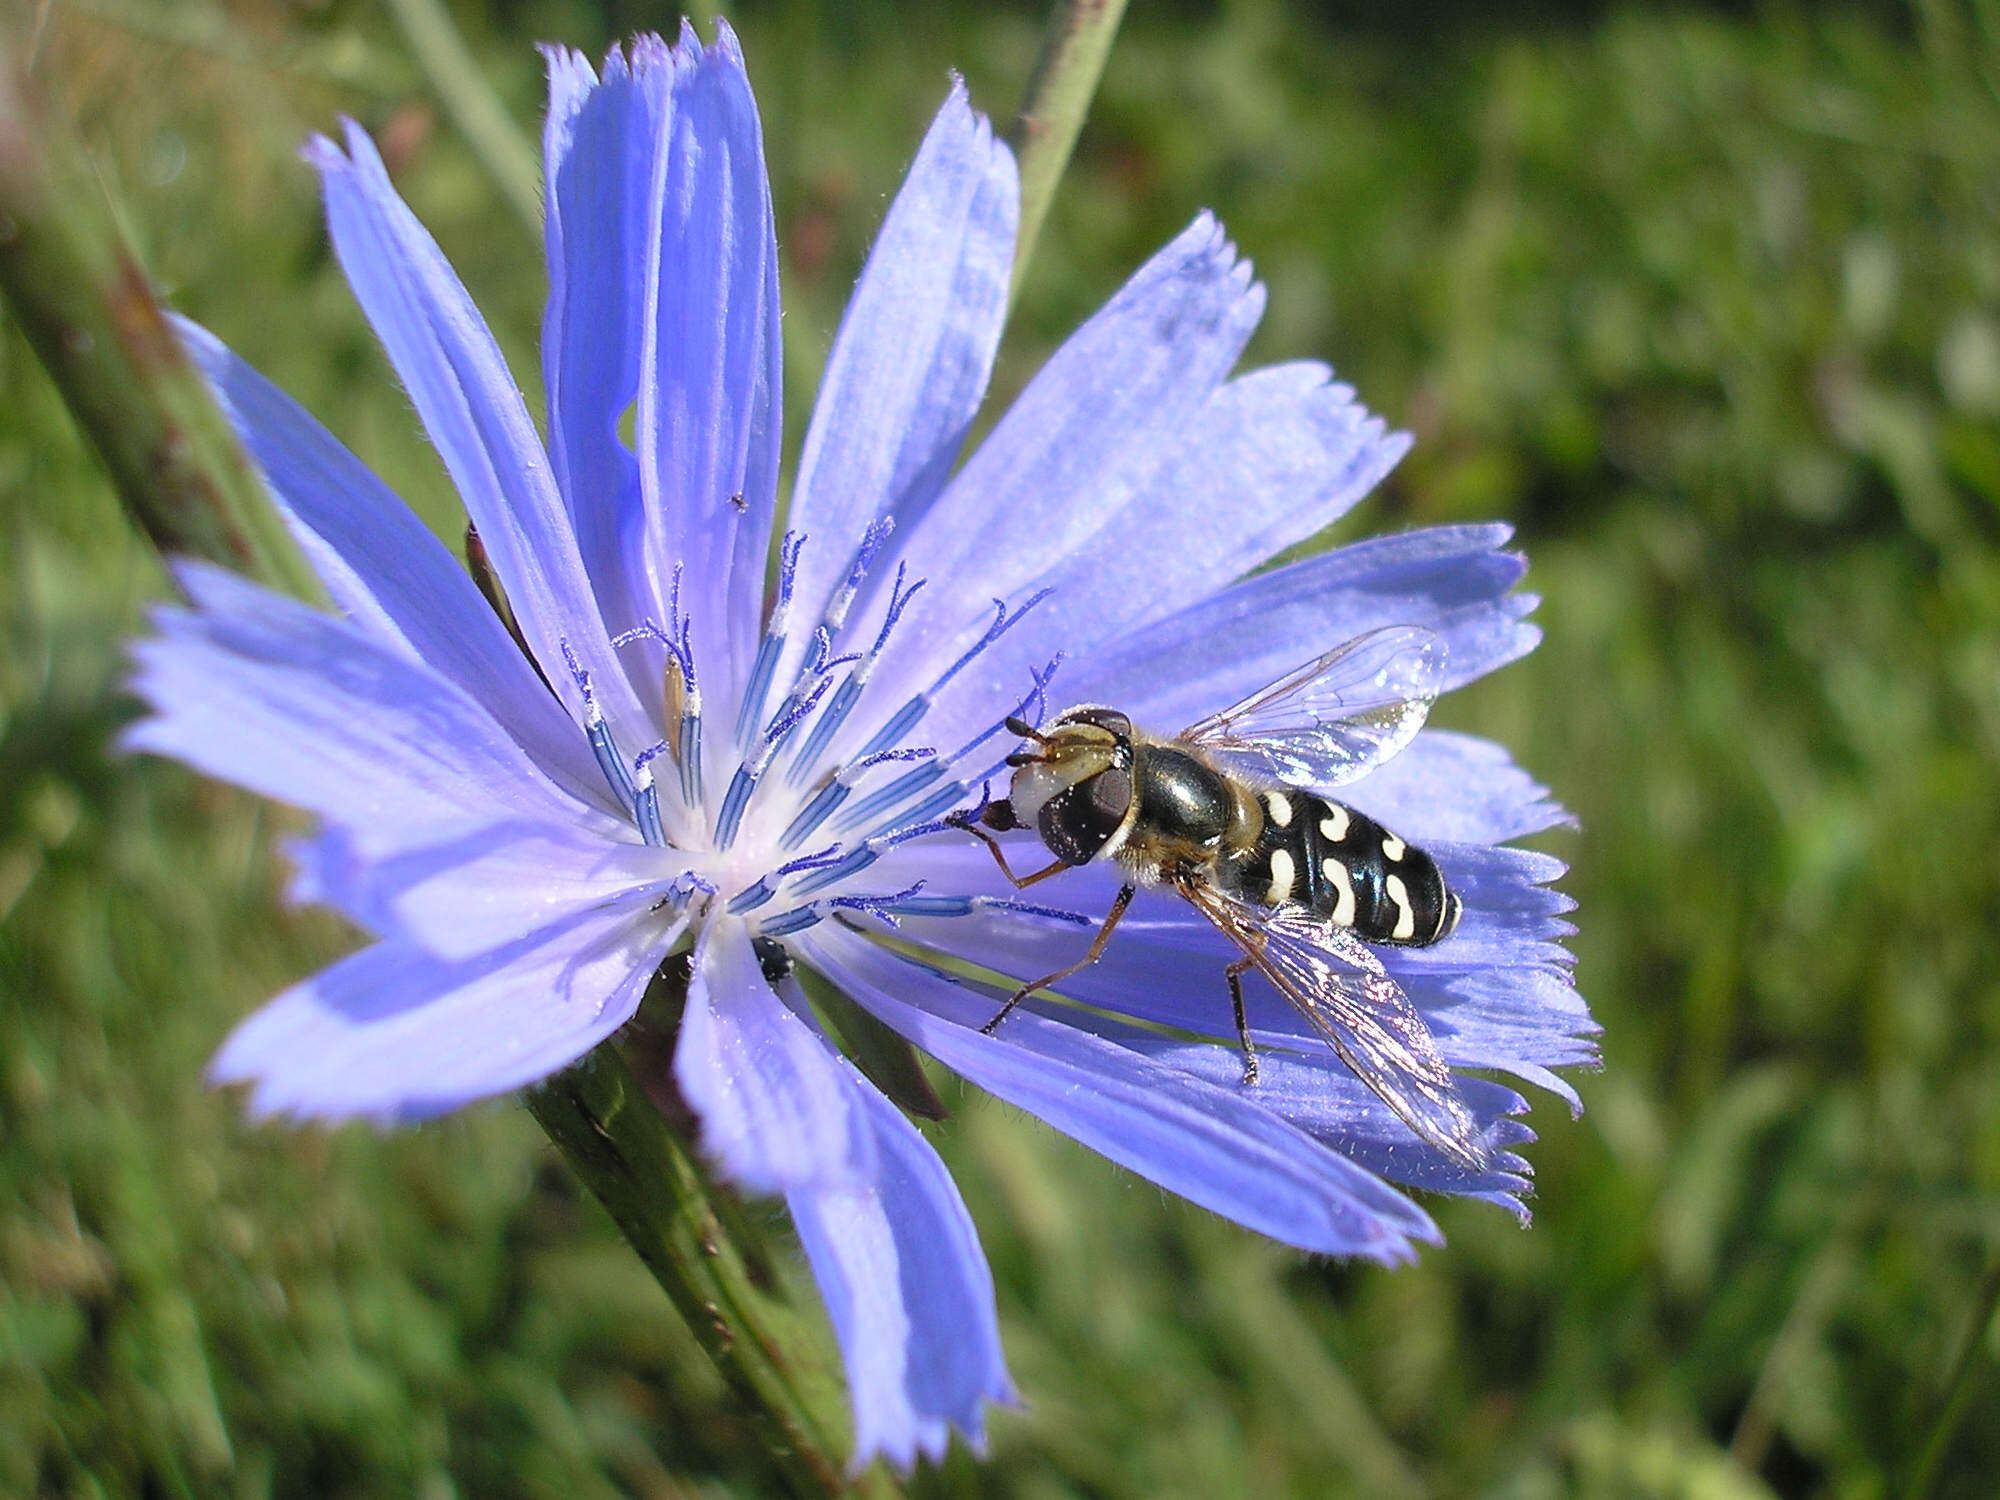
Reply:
x=654, y=1190
x=475, y=112
x=1957, y=1389
x=86, y=305
x=1074, y=49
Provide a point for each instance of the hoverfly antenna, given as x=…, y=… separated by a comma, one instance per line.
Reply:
x=1020, y=758
x=1016, y=725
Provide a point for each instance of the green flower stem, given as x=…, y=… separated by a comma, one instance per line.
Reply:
x=89, y=311
x=1958, y=1386
x=1074, y=49
x=475, y=112
x=87, y=308
x=653, y=1187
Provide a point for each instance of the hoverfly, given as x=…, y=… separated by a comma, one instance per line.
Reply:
x=1226, y=813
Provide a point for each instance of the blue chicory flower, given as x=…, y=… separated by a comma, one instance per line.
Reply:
x=694, y=760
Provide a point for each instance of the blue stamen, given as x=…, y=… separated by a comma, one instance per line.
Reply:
x=935, y=906
x=793, y=543
x=741, y=785
x=649, y=797
x=844, y=699
x=907, y=717
x=768, y=651
x=832, y=854
x=965, y=906
x=829, y=797
x=796, y=920
x=686, y=885
x=751, y=897
x=609, y=761
x=791, y=716
x=849, y=693
x=853, y=769
x=814, y=813
x=878, y=804
x=951, y=797
x=899, y=600
x=869, y=808
x=690, y=757
x=901, y=722
x=852, y=863
x=772, y=646
x=645, y=630
x=886, y=907
x=864, y=555
x=748, y=774
x=1030, y=909
x=1002, y=623
x=874, y=905
x=677, y=639
x=649, y=815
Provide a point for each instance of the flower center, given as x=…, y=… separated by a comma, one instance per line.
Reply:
x=795, y=821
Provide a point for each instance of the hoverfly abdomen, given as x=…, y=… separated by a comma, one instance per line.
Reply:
x=1344, y=866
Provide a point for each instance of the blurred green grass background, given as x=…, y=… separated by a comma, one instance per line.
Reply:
x=1706, y=300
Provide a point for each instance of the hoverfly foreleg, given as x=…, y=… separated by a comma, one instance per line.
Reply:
x=1234, y=973
x=971, y=822
x=1096, y=951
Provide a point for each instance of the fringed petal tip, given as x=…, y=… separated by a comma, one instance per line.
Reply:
x=930, y=1438
x=957, y=112
x=644, y=51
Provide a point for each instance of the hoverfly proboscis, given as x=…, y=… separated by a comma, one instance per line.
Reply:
x=1228, y=814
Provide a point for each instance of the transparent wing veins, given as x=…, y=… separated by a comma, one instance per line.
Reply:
x=1332, y=979
x=1338, y=716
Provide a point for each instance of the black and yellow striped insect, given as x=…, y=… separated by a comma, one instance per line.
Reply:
x=1228, y=814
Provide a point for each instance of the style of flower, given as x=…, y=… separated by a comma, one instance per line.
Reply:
x=685, y=757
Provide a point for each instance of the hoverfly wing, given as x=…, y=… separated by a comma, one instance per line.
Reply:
x=1332, y=979
x=1337, y=717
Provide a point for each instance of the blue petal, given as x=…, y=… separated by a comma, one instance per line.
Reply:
x=394, y=1034
x=910, y=363
x=1453, y=579
x=1215, y=1146
x=777, y=1111
x=305, y=709
x=600, y=145
x=1317, y=1093
x=1087, y=434
x=709, y=360
x=468, y=897
x=899, y=1265
x=891, y=1244
x=385, y=569
x=473, y=412
x=1269, y=460
x=1449, y=787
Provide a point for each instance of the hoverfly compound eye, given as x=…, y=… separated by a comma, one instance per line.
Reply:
x=1078, y=821
x=1110, y=796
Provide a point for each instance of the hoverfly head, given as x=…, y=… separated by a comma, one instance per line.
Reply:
x=1074, y=786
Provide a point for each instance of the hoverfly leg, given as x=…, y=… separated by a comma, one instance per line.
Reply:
x=1019, y=882
x=1234, y=973
x=1096, y=951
